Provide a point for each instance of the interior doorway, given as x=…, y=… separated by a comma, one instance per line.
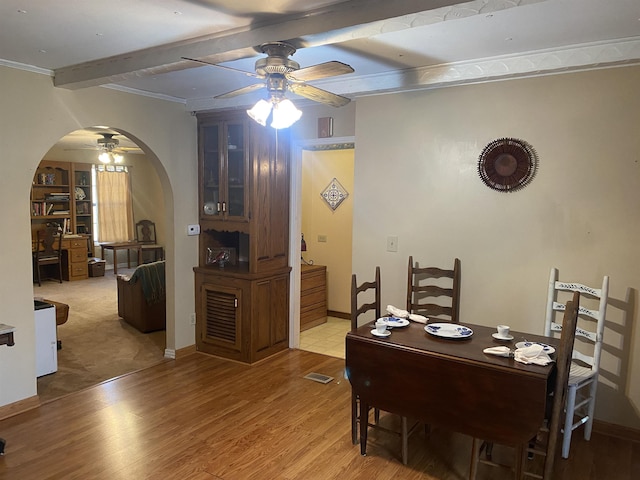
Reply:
x=326, y=219
x=96, y=344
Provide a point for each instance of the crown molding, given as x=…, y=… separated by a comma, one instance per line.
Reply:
x=575, y=58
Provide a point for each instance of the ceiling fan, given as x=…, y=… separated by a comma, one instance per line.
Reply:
x=280, y=74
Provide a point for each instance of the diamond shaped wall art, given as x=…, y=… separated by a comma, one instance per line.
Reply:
x=334, y=194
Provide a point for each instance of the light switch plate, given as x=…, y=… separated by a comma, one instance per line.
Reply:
x=392, y=243
x=193, y=229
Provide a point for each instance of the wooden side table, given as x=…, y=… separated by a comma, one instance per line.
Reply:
x=115, y=246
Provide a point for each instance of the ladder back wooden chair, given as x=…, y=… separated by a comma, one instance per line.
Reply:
x=545, y=444
x=146, y=237
x=48, y=251
x=583, y=377
x=430, y=296
x=365, y=298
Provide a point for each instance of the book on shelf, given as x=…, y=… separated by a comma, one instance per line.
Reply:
x=48, y=210
x=60, y=212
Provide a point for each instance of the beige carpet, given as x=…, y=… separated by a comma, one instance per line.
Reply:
x=97, y=345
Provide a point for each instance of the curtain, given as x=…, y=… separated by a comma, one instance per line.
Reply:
x=115, y=210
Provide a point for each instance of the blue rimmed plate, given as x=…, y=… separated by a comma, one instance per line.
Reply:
x=448, y=330
x=395, y=321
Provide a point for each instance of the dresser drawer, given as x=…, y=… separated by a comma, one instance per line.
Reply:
x=80, y=243
x=313, y=298
x=76, y=271
x=314, y=280
x=78, y=256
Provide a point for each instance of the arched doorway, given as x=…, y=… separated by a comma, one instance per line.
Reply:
x=96, y=345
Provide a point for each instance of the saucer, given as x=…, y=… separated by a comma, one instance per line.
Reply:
x=385, y=334
x=498, y=337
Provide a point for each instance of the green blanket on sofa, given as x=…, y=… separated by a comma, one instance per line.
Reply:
x=152, y=280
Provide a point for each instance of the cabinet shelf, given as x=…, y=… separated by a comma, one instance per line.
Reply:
x=50, y=182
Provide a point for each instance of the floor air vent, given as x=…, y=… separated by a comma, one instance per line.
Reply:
x=318, y=377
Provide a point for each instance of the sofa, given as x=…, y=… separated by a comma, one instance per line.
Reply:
x=142, y=300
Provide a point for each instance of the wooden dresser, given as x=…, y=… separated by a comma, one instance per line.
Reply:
x=75, y=258
x=313, y=296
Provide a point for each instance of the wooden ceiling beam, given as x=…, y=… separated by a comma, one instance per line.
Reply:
x=317, y=27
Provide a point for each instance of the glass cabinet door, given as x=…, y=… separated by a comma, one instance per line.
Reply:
x=211, y=168
x=235, y=175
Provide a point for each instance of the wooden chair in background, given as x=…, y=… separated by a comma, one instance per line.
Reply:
x=424, y=289
x=370, y=291
x=146, y=237
x=583, y=377
x=48, y=251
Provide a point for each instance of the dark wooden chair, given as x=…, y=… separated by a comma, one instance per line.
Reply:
x=545, y=444
x=360, y=308
x=146, y=237
x=424, y=289
x=48, y=251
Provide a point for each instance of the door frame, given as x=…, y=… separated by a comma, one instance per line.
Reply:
x=295, y=227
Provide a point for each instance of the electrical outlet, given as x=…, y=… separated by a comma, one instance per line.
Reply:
x=192, y=319
x=193, y=229
x=392, y=244
x=322, y=238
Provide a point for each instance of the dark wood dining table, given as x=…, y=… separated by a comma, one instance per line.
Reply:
x=450, y=382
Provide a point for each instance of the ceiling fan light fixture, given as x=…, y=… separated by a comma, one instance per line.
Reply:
x=260, y=112
x=110, y=157
x=107, y=144
x=285, y=114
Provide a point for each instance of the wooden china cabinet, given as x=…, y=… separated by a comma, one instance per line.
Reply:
x=242, y=277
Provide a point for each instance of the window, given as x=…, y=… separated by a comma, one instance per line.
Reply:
x=113, y=210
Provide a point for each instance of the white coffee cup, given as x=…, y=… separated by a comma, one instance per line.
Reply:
x=503, y=331
x=381, y=326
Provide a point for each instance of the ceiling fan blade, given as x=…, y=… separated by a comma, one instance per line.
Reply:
x=248, y=74
x=318, y=95
x=322, y=70
x=241, y=91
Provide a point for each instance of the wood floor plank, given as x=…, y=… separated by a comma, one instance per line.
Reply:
x=203, y=418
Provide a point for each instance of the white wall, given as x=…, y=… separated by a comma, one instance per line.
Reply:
x=579, y=214
x=33, y=116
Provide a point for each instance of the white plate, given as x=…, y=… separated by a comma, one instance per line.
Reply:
x=547, y=348
x=386, y=333
x=448, y=330
x=395, y=321
x=498, y=337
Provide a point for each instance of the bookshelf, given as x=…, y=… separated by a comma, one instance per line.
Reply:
x=61, y=193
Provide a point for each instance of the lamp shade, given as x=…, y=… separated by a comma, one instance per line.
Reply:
x=285, y=114
x=110, y=157
x=260, y=112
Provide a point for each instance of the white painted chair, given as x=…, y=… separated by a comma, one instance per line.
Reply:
x=583, y=377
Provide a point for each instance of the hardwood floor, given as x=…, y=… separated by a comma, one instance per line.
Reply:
x=203, y=418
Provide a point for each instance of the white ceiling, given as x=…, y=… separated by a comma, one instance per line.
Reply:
x=392, y=45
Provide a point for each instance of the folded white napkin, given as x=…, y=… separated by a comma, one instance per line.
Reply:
x=397, y=312
x=500, y=351
x=532, y=354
